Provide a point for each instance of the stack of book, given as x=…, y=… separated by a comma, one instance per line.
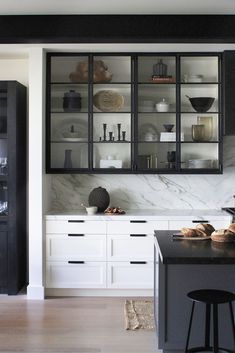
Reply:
x=163, y=79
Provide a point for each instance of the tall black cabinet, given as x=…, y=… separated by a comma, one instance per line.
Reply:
x=13, y=157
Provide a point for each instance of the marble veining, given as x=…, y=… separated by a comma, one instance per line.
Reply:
x=151, y=191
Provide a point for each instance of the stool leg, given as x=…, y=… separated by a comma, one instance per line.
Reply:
x=189, y=328
x=232, y=319
x=215, y=329
x=208, y=325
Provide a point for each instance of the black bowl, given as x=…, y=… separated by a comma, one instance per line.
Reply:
x=201, y=104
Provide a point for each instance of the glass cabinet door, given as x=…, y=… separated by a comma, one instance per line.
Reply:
x=112, y=112
x=156, y=140
x=200, y=112
x=69, y=97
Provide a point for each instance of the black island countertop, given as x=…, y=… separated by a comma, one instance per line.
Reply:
x=177, y=251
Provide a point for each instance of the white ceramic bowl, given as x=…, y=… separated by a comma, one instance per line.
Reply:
x=91, y=210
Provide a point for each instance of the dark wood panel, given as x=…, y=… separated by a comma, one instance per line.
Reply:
x=229, y=92
x=117, y=29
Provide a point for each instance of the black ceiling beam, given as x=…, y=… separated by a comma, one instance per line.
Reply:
x=117, y=29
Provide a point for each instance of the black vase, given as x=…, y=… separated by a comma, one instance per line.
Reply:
x=72, y=101
x=99, y=197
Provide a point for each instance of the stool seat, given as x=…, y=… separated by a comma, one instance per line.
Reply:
x=211, y=296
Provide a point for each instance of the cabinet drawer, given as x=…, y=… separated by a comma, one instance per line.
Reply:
x=76, y=226
x=218, y=224
x=130, y=247
x=67, y=275
x=127, y=275
x=135, y=226
x=75, y=247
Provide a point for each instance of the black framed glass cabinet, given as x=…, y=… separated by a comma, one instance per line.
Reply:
x=134, y=113
x=13, y=157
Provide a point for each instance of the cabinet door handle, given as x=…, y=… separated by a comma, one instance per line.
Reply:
x=138, y=235
x=76, y=262
x=138, y=221
x=76, y=235
x=200, y=221
x=138, y=262
x=76, y=221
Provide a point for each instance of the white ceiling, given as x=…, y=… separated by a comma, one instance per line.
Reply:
x=20, y=7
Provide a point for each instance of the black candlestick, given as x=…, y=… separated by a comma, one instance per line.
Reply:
x=119, y=131
x=123, y=135
x=104, y=128
x=110, y=136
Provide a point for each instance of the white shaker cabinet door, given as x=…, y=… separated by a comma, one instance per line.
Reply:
x=130, y=247
x=130, y=275
x=135, y=226
x=75, y=275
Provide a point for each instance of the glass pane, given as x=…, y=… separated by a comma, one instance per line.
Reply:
x=69, y=127
x=3, y=198
x=156, y=156
x=3, y=111
x=69, y=69
x=199, y=127
x=199, y=98
x=112, y=127
x=156, y=127
x=157, y=98
x=199, y=155
x=69, y=155
x=199, y=69
x=156, y=69
x=69, y=98
x=112, y=155
x=112, y=69
x=112, y=98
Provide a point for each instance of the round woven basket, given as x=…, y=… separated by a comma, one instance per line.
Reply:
x=108, y=101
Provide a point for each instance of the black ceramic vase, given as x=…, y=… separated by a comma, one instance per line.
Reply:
x=99, y=197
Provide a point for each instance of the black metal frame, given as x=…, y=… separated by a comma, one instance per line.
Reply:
x=134, y=115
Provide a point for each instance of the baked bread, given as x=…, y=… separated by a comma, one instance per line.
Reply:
x=223, y=235
x=231, y=228
x=192, y=232
x=206, y=228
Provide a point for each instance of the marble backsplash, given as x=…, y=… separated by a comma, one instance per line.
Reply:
x=151, y=191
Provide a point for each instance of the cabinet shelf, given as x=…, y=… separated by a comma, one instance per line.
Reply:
x=134, y=111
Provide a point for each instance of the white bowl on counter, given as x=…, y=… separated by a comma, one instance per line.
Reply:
x=91, y=210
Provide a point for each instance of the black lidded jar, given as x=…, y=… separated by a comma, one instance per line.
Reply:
x=72, y=101
x=99, y=197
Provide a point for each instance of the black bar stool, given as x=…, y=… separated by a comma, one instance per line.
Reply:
x=211, y=297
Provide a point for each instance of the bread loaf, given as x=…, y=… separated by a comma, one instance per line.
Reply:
x=189, y=232
x=231, y=228
x=223, y=235
x=206, y=228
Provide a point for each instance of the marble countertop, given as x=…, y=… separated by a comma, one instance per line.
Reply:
x=150, y=214
x=174, y=251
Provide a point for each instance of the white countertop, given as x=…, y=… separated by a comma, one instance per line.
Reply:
x=143, y=214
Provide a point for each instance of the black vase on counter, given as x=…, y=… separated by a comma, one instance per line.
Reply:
x=72, y=101
x=99, y=197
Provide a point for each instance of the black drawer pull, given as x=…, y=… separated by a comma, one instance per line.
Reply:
x=138, y=221
x=200, y=221
x=76, y=262
x=76, y=235
x=138, y=262
x=138, y=235
x=76, y=221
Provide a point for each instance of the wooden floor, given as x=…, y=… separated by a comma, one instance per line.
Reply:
x=69, y=325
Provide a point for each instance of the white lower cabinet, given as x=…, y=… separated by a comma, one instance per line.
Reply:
x=62, y=274
x=217, y=224
x=133, y=274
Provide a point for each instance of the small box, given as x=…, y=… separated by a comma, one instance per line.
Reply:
x=170, y=136
x=110, y=163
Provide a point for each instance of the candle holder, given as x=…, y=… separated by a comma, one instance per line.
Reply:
x=105, y=129
x=123, y=135
x=110, y=136
x=119, y=131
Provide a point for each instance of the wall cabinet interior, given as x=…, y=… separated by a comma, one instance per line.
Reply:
x=133, y=113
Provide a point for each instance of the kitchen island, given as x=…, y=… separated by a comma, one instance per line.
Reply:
x=183, y=266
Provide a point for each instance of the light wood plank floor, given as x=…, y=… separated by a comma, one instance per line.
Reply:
x=69, y=325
